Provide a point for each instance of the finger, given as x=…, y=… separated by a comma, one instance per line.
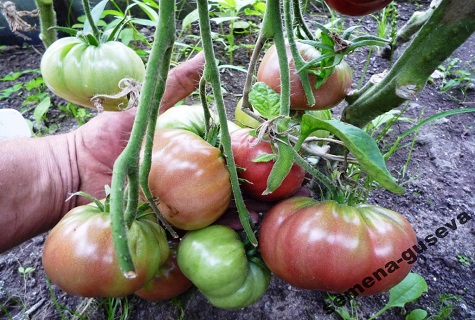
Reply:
x=182, y=81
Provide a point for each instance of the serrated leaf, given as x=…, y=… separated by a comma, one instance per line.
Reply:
x=265, y=157
x=265, y=100
x=359, y=143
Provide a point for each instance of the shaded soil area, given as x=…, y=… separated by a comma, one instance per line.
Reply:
x=436, y=166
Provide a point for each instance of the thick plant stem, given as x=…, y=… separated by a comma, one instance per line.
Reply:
x=449, y=26
x=211, y=74
x=47, y=20
x=272, y=29
x=126, y=167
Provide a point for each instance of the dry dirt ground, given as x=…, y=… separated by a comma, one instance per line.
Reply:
x=439, y=181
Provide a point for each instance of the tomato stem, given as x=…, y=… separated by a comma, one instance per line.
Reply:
x=90, y=20
x=127, y=164
x=211, y=74
x=298, y=60
x=47, y=20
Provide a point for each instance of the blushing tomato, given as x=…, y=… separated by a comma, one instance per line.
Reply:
x=169, y=281
x=332, y=247
x=255, y=174
x=357, y=7
x=214, y=259
x=79, y=255
x=329, y=94
x=190, y=179
x=77, y=71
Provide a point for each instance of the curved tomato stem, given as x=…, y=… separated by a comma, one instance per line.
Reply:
x=211, y=75
x=90, y=20
x=127, y=164
x=261, y=39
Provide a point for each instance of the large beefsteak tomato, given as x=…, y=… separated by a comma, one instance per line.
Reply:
x=80, y=258
x=327, y=246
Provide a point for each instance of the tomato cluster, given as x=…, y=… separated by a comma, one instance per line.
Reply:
x=310, y=244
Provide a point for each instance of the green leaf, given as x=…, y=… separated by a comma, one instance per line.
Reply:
x=416, y=314
x=408, y=290
x=265, y=157
x=41, y=109
x=359, y=143
x=282, y=166
x=265, y=100
x=189, y=19
x=96, y=14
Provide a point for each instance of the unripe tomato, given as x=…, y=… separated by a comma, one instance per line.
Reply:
x=244, y=120
x=357, y=7
x=337, y=248
x=77, y=71
x=214, y=259
x=190, y=179
x=329, y=94
x=255, y=174
x=79, y=255
x=188, y=117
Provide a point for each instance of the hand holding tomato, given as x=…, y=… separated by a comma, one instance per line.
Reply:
x=64, y=164
x=100, y=141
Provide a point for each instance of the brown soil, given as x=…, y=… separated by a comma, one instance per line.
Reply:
x=439, y=181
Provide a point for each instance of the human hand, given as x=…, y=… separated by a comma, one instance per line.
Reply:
x=100, y=141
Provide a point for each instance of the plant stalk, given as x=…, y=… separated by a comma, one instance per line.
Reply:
x=126, y=167
x=448, y=27
x=211, y=75
x=47, y=20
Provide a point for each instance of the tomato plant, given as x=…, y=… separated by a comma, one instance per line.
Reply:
x=214, y=259
x=190, y=179
x=169, y=281
x=79, y=255
x=78, y=71
x=327, y=95
x=334, y=247
x=254, y=175
x=357, y=7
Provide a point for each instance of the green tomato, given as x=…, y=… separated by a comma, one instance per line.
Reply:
x=243, y=119
x=189, y=118
x=77, y=71
x=215, y=260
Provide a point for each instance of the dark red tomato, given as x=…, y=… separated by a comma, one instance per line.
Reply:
x=190, y=179
x=79, y=255
x=245, y=149
x=169, y=281
x=327, y=246
x=329, y=94
x=357, y=7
